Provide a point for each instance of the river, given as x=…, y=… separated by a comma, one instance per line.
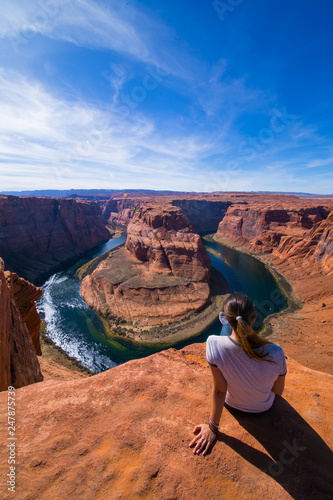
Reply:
x=73, y=326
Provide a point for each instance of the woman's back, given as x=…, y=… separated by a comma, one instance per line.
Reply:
x=249, y=380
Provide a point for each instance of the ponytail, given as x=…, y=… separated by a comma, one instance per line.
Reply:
x=240, y=312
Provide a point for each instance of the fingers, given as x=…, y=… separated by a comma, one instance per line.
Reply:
x=200, y=446
x=196, y=428
x=192, y=443
x=206, y=448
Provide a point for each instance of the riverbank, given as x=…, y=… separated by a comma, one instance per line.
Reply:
x=164, y=336
x=304, y=329
x=293, y=301
x=51, y=351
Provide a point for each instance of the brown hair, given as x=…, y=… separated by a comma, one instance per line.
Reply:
x=239, y=305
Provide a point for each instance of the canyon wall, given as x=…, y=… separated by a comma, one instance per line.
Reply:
x=120, y=211
x=324, y=249
x=25, y=295
x=299, y=230
x=161, y=276
x=18, y=359
x=39, y=234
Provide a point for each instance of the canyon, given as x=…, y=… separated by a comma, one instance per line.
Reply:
x=38, y=235
x=140, y=449
x=160, y=276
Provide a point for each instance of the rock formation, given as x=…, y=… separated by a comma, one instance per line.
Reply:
x=161, y=275
x=324, y=249
x=18, y=360
x=299, y=230
x=120, y=211
x=25, y=295
x=39, y=234
x=124, y=434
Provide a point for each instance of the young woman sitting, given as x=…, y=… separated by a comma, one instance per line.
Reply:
x=247, y=370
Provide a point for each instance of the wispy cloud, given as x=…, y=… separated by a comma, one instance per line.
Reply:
x=116, y=26
x=75, y=143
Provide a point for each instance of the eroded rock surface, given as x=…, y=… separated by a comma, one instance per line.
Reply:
x=25, y=295
x=124, y=434
x=295, y=230
x=18, y=359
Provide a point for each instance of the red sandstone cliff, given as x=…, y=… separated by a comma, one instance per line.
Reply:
x=18, y=360
x=25, y=295
x=299, y=230
x=162, y=274
x=124, y=434
x=39, y=234
x=324, y=249
x=164, y=237
x=120, y=211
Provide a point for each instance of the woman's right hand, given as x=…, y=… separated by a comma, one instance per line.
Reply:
x=202, y=441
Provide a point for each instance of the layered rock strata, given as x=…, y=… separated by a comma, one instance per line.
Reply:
x=124, y=434
x=160, y=276
x=25, y=295
x=120, y=211
x=39, y=234
x=289, y=231
x=18, y=359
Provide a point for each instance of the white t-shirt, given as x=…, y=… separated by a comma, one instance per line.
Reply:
x=249, y=381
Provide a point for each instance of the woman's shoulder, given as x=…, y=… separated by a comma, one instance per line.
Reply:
x=218, y=343
x=274, y=348
x=217, y=339
x=276, y=352
x=214, y=348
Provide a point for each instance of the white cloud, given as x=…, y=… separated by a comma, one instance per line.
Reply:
x=47, y=141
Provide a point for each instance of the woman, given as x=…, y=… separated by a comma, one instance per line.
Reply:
x=247, y=370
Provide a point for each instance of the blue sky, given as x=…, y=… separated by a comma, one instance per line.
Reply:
x=190, y=95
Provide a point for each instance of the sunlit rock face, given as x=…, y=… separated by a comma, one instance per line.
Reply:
x=124, y=434
x=25, y=295
x=18, y=359
x=290, y=230
x=161, y=275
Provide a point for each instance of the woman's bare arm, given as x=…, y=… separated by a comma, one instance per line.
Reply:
x=205, y=436
x=278, y=386
x=219, y=390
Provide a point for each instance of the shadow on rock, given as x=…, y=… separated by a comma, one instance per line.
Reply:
x=300, y=461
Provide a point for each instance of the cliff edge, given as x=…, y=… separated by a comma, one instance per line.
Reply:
x=124, y=434
x=18, y=359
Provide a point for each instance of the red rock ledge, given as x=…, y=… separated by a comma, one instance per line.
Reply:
x=124, y=434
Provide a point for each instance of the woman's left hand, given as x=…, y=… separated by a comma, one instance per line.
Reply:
x=203, y=440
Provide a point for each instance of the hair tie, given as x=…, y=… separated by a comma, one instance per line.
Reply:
x=238, y=317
